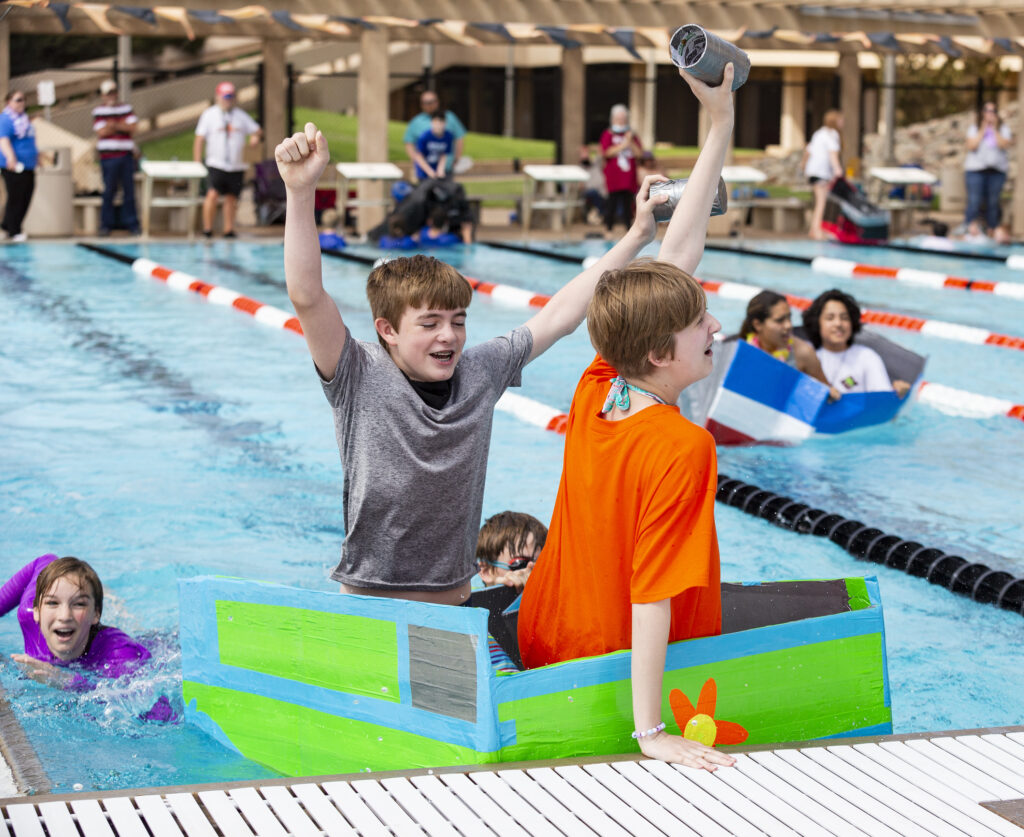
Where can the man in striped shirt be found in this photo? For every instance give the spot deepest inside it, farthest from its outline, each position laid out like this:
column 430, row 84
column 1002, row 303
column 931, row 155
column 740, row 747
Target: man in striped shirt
column 113, row 123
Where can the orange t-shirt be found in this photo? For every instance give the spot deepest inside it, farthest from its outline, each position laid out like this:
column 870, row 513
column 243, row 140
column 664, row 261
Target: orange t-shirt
column 633, row 523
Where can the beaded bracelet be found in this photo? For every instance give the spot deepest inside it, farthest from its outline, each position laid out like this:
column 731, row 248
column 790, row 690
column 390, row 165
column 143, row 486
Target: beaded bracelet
column 652, row 731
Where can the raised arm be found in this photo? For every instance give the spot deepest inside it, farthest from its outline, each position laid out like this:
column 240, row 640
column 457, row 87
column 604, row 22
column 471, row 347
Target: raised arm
column 683, row 244
column 568, row 307
column 301, row 159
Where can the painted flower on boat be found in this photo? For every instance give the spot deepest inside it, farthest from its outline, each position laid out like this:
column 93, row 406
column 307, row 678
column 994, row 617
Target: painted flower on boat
column 699, row 723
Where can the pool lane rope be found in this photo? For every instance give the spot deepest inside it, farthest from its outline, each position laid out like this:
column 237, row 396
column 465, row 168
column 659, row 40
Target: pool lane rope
column 972, row 579
column 978, row 581
column 946, row 399
column 217, row 294
column 855, row 270
column 743, row 293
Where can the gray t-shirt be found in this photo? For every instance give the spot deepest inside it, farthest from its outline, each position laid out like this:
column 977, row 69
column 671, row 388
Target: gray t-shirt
column 414, row 475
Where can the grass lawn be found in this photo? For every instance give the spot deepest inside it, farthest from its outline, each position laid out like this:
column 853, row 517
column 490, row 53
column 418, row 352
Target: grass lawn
column 341, row 131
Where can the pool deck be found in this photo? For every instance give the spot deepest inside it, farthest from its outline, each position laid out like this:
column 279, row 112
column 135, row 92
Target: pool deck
column 964, row 782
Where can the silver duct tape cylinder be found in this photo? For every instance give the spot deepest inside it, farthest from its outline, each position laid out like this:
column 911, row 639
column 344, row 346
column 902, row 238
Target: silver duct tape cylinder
column 704, row 56
column 674, row 190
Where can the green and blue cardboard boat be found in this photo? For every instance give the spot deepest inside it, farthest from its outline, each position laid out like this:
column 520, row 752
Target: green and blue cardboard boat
column 316, row 683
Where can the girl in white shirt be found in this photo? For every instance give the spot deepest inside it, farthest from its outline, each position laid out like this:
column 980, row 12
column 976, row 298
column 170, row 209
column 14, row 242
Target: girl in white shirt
column 821, row 165
column 831, row 323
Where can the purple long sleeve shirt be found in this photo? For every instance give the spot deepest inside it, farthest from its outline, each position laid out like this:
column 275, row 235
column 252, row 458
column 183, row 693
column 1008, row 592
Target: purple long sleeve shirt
column 110, row 652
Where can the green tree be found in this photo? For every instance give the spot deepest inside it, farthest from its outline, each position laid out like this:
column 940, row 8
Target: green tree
column 926, row 92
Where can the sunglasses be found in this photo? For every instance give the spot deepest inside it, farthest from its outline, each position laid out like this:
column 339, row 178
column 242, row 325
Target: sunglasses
column 518, row 562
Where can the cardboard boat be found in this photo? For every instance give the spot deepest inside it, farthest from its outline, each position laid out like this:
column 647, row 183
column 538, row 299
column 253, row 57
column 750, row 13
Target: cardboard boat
column 315, row 683
column 852, row 218
column 751, row 397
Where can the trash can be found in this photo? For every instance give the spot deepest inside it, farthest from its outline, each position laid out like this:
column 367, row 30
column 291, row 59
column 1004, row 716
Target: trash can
column 51, row 212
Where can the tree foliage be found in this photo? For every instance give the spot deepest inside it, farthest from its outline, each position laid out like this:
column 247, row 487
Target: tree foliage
column 925, row 91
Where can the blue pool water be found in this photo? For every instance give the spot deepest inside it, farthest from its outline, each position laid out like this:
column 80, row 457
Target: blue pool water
column 160, row 437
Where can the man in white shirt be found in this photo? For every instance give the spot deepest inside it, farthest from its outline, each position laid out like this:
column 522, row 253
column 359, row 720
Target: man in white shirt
column 223, row 129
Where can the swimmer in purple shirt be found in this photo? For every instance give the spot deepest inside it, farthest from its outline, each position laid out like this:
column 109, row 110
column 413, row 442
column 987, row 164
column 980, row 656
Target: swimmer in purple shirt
column 59, row 603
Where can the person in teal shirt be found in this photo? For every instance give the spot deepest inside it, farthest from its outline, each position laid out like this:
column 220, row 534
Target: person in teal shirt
column 420, row 124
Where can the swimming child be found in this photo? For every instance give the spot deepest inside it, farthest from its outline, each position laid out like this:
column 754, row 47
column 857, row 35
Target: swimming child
column 507, row 548
column 631, row 560
column 768, row 325
column 60, row 601
column 413, row 411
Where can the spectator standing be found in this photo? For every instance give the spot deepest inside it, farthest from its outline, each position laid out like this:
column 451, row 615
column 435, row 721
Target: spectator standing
column 18, row 146
column 620, row 148
column 986, row 166
column 821, row 165
column 420, row 125
column 223, row 128
column 113, row 123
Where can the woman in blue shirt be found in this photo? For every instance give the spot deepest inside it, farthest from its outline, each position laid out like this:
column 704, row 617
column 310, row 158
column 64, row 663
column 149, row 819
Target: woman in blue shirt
column 18, row 148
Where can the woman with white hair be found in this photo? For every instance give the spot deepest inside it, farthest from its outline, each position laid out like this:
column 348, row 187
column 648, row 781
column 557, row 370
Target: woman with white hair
column 620, row 148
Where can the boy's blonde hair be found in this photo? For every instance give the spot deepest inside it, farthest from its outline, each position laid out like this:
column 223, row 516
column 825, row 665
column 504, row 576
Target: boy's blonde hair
column 637, row 310
column 511, row 529
column 412, row 282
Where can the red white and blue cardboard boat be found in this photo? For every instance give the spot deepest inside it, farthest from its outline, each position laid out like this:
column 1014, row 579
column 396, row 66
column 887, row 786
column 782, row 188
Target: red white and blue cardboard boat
column 751, row 397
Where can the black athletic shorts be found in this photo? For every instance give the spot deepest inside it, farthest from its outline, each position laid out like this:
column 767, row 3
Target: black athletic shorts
column 224, row 182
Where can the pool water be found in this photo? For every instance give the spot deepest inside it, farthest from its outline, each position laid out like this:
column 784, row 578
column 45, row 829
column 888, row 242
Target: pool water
column 160, row 437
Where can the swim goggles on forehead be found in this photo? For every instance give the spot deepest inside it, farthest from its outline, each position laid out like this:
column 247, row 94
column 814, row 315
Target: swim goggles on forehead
column 518, row 562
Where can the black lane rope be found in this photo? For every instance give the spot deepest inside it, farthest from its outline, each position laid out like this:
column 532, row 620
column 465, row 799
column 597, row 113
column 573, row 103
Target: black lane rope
column 972, row 579
column 955, row 254
column 110, row 254
column 533, row 251
column 348, row 257
column 767, row 254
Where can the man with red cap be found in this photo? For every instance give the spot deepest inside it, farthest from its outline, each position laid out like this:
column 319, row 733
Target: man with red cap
column 223, row 129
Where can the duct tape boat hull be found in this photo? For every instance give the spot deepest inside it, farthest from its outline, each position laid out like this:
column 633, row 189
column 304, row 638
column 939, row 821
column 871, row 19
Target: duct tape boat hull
column 314, row 683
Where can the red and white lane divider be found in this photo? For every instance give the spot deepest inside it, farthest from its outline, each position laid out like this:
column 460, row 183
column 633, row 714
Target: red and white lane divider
column 266, row 314
column 958, row 402
column 948, row 400
column 924, row 278
column 736, row 290
column 933, row 328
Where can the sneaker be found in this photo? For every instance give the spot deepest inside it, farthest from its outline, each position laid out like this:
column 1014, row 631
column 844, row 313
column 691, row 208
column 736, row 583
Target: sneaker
column 207, row 233
column 19, row 238
column 230, row 234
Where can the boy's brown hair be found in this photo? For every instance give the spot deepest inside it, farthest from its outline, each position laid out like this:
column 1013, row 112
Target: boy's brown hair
column 69, row 565
column 509, row 529
column 638, row 310
column 412, row 282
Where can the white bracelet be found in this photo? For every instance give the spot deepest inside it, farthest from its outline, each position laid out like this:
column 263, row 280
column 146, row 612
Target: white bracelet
column 652, row 731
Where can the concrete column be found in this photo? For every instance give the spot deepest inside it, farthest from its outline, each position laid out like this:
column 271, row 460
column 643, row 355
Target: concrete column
column 372, row 108
column 871, row 110
column 275, row 95
column 573, row 98
column 650, row 128
column 124, row 61
column 792, row 130
column 888, row 126
column 1018, row 192
column 508, row 124
column 849, row 104
column 5, row 56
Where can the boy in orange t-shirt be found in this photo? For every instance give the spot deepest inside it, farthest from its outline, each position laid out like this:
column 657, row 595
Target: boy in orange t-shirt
column 631, row 559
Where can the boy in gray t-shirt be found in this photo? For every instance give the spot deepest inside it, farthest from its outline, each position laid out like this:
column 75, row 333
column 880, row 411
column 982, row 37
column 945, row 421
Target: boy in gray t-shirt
column 413, row 414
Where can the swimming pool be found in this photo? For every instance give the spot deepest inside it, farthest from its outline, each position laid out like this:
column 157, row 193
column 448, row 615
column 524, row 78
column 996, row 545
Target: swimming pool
column 160, row 437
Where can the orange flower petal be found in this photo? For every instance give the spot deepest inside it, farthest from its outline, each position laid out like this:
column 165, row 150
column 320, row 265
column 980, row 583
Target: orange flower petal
column 708, row 698
column 730, row 733
column 682, row 709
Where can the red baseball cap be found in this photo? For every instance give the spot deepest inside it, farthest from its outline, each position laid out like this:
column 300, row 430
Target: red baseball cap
column 225, row 89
